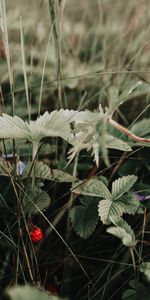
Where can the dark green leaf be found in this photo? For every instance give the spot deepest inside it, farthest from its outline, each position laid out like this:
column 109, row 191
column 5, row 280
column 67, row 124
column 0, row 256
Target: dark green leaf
column 35, row 200
column 84, row 217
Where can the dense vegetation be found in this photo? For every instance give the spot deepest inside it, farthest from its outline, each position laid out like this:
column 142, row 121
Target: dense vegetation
column 74, row 149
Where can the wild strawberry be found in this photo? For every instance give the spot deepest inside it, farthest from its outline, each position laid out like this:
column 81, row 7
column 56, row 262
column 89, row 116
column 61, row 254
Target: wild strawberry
column 36, row 235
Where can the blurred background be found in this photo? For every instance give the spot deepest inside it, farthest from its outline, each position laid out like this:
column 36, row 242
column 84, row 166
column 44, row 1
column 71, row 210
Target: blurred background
column 104, row 50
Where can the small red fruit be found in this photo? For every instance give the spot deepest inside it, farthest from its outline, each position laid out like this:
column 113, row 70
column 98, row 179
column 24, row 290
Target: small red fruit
column 36, row 235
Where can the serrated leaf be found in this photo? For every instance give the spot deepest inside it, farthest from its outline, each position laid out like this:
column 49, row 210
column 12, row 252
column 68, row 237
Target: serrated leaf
column 115, row 143
column 109, row 210
column 56, row 123
column 124, row 232
column 84, row 217
column 122, row 185
column 13, row 127
column 42, row 171
column 61, row 176
column 33, row 198
column 132, row 205
column 27, row 292
column 92, row 187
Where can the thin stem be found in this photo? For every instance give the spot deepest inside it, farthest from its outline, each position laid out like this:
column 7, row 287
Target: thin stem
column 55, row 15
column 133, row 258
column 44, row 66
column 34, row 154
column 127, row 132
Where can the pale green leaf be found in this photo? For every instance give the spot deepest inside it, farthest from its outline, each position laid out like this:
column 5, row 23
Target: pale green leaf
column 92, row 187
column 132, row 205
column 27, row 292
column 41, row 170
column 115, row 143
column 56, row 123
column 124, row 232
column 109, row 210
column 122, row 185
column 145, row 268
column 13, row 127
column 141, row 128
column 84, row 217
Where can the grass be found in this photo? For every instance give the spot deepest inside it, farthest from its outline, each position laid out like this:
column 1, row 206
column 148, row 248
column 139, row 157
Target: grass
column 89, row 53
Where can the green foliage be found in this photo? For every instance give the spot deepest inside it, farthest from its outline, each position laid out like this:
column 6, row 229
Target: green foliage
column 84, row 217
column 141, row 128
column 145, row 268
column 109, row 210
column 5, row 168
column 114, row 206
column 42, row 171
column 116, row 143
column 35, row 200
column 137, row 291
column 122, row 185
column 91, row 133
column 132, row 205
column 123, row 231
column 79, row 66
column 92, row 187
column 57, row 123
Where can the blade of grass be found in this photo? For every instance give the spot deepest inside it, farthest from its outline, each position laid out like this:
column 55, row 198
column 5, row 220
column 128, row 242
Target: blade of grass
column 55, row 15
column 24, row 69
column 7, row 49
column 43, row 71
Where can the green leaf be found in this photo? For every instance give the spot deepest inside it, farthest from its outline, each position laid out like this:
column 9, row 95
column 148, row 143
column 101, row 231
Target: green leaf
column 42, row 171
column 132, row 205
column 56, row 123
column 115, row 143
column 35, row 199
column 145, row 268
column 141, row 128
column 129, row 294
column 13, row 127
column 136, row 292
column 92, row 187
column 109, row 210
column 122, row 185
column 124, row 232
column 27, row 292
column 84, row 217
column 5, row 167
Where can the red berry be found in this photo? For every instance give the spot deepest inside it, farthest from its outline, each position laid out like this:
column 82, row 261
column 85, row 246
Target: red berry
column 36, row 235
column 52, row 289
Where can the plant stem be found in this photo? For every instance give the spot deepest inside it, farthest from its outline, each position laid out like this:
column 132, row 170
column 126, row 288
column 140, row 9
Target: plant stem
column 127, row 132
column 34, row 154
